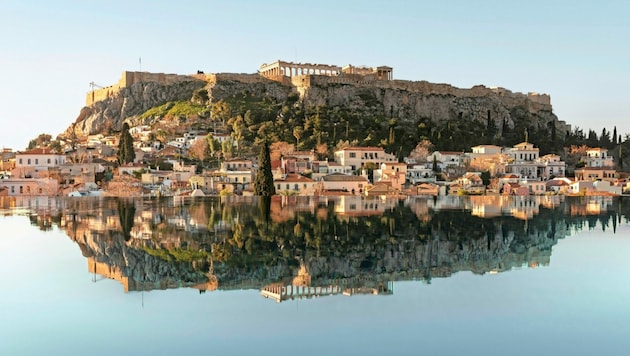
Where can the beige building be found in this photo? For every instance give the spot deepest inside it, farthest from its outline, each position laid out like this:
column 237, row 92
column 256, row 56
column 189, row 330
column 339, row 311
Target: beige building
column 295, row 184
column 595, row 173
column 38, row 160
column 394, row 173
column 344, row 183
column 30, row 186
column 357, row 157
column 550, row 166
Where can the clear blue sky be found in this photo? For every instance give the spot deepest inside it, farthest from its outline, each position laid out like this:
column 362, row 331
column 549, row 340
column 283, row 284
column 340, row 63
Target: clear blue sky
column 576, row 51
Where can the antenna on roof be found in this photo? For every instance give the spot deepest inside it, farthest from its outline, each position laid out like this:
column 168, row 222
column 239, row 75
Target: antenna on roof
column 140, row 63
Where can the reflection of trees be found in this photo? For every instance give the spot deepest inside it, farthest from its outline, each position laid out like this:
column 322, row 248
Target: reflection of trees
column 126, row 214
column 252, row 242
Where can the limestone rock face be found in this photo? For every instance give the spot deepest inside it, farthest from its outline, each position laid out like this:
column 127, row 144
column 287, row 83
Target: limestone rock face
column 128, row 102
column 406, row 101
column 410, row 101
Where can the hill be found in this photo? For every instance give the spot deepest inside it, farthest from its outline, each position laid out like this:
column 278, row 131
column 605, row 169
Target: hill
column 313, row 109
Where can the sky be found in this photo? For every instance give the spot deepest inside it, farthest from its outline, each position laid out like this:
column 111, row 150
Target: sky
column 575, row 51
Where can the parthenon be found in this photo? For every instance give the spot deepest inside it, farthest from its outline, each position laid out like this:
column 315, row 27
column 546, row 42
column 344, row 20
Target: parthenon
column 289, row 69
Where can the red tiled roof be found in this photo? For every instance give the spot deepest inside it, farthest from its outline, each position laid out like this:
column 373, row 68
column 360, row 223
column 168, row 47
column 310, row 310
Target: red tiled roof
column 362, row 149
column 339, row 177
column 38, row 151
column 292, row 178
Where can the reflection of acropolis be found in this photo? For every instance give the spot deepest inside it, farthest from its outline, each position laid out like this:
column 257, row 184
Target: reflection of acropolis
column 300, row 287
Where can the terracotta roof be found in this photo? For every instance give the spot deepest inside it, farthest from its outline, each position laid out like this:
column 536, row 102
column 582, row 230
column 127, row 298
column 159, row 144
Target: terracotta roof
column 39, row 151
column 594, row 169
column 556, row 183
column 361, row 149
column 452, row 153
column 293, row 178
column 339, row 177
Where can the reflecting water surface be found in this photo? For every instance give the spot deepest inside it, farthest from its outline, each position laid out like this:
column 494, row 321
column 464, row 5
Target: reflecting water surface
column 347, row 274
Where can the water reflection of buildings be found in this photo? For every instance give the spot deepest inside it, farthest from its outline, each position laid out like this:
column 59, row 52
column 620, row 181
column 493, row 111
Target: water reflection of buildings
column 359, row 205
column 486, row 206
column 592, row 205
column 300, row 287
column 141, row 243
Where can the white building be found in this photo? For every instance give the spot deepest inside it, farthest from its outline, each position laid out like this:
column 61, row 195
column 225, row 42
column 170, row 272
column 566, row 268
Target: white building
column 39, row 158
column 598, row 157
column 523, row 160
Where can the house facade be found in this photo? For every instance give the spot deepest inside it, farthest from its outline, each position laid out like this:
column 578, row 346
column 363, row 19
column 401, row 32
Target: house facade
column 344, row 183
column 38, row 159
column 295, row 184
column 357, row 157
column 595, row 173
column 598, row 157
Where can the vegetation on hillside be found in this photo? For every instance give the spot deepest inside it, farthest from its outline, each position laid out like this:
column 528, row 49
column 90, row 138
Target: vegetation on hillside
column 176, row 109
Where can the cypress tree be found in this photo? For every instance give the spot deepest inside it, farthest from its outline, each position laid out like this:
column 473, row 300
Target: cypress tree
column 125, row 146
column 263, row 183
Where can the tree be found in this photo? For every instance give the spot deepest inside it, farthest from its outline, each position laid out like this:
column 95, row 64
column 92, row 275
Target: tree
column 322, row 150
column 604, row 139
column 436, row 168
column 199, row 150
column 126, row 153
column 220, row 111
column 421, row 151
column 214, row 146
column 491, row 127
column 43, row 140
column 279, row 149
column 485, row 177
column 263, row 183
column 238, row 129
column 297, row 133
column 227, row 147
column 200, row 96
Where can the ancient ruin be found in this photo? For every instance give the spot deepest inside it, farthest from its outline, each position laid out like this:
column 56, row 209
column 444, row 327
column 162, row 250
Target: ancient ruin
column 279, row 69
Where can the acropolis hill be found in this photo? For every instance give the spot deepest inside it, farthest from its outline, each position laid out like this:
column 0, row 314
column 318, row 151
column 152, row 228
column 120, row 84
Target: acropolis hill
column 370, row 91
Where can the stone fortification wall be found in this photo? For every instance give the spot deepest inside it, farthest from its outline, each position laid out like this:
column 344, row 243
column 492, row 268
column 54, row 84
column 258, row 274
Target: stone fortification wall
column 237, row 77
column 532, row 101
column 128, row 79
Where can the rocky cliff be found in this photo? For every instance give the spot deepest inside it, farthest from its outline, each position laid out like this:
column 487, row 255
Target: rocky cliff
column 406, row 101
column 129, row 102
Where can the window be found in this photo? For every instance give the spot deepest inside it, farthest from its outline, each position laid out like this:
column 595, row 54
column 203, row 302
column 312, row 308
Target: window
column 36, row 160
column 287, row 186
column 296, row 187
column 20, row 161
column 353, row 155
column 28, row 161
column 48, row 161
column 279, row 187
